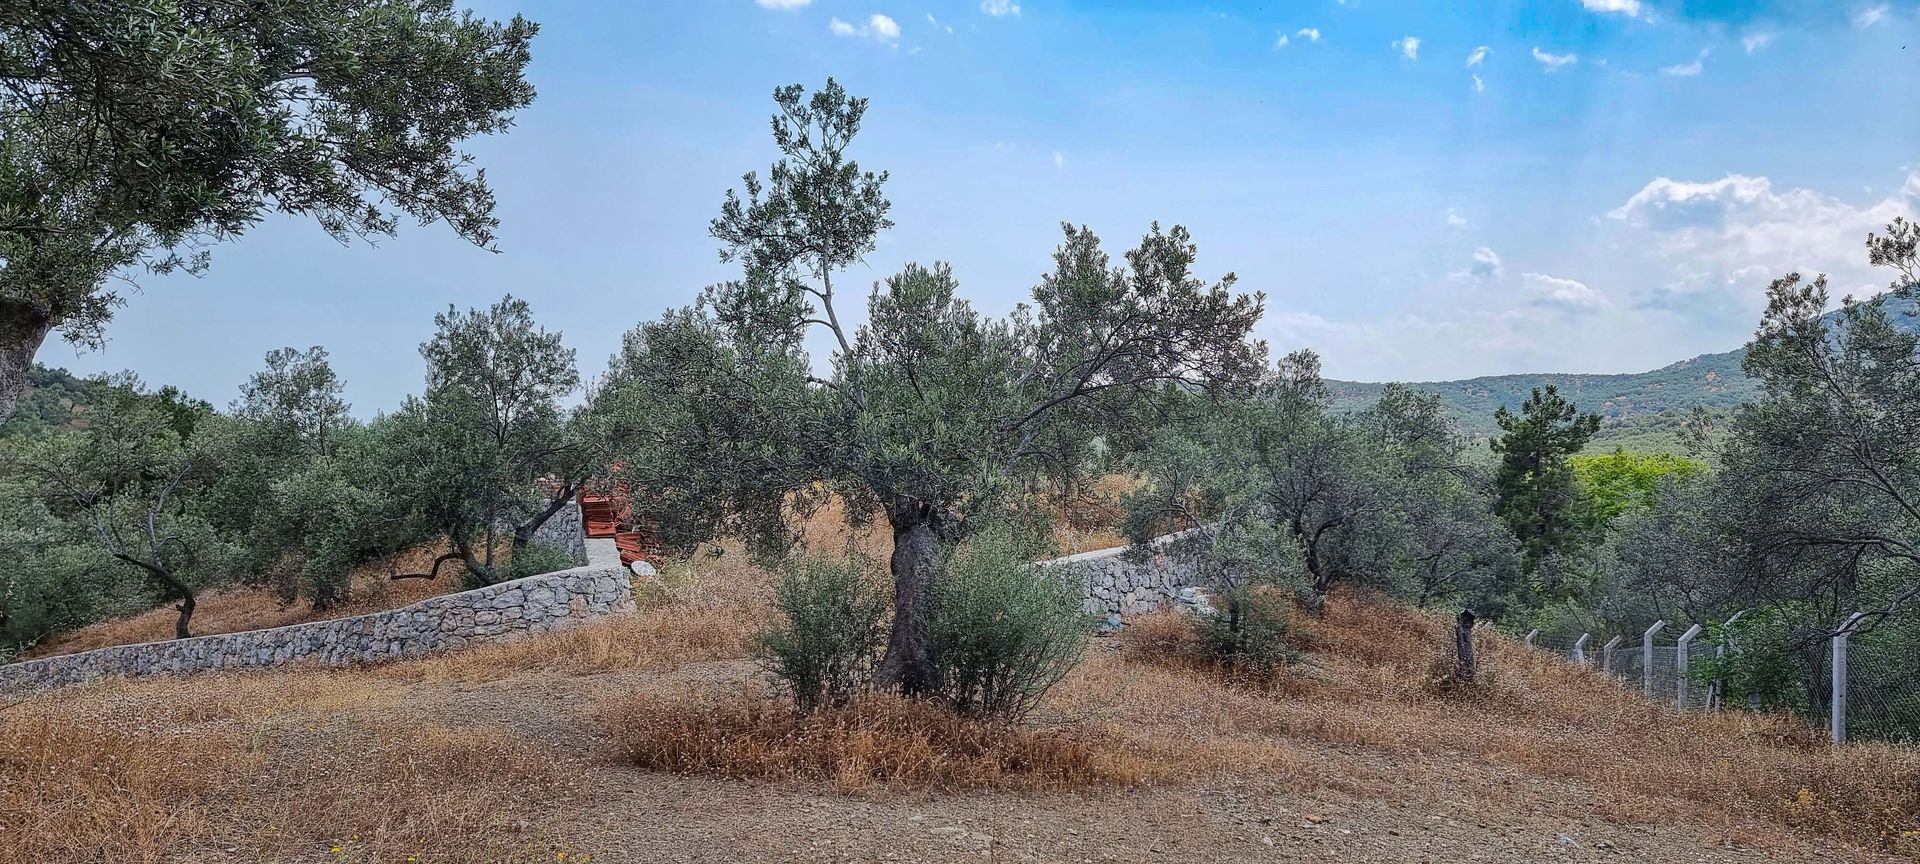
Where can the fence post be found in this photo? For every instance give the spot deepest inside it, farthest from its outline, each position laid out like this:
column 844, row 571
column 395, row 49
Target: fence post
column 1683, row 684
column 1464, row 666
column 1837, row 722
column 1717, row 697
column 1580, row 649
column 1606, row 653
column 1530, row 634
column 1646, row 658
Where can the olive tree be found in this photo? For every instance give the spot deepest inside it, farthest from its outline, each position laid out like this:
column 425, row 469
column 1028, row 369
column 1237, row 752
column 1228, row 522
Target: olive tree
column 1827, row 461
column 1278, row 489
column 928, row 412
column 137, row 134
column 489, row 451
column 131, row 480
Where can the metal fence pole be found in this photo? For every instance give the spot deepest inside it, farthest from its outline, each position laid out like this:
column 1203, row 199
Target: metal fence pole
column 1717, row 697
column 1606, row 653
column 1837, row 721
column 1681, row 682
column 1646, row 658
column 1580, row 649
column 1530, row 634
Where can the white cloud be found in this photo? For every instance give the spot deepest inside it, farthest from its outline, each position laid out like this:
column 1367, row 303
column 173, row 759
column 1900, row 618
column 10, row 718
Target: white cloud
column 936, row 23
column 1409, row 45
column 1554, row 62
column 1457, row 221
column 1736, row 232
column 1478, row 55
column 783, row 5
column 1629, row 8
column 1059, row 159
column 1562, row 292
column 1478, row 85
column 999, row 8
column 1688, row 70
column 1486, row 264
column 1756, row 41
column 879, row 28
column 1282, row 40
column 1868, row 16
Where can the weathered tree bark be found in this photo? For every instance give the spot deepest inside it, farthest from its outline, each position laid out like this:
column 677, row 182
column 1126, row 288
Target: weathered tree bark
column 523, row 534
column 180, row 589
column 1465, row 668
column 481, row 570
column 186, row 615
column 23, row 329
column 908, row 663
column 393, row 574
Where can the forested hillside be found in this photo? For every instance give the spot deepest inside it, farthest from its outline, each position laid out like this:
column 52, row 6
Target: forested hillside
column 1640, row 411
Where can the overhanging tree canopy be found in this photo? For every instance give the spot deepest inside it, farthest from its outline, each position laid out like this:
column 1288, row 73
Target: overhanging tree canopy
column 136, row 133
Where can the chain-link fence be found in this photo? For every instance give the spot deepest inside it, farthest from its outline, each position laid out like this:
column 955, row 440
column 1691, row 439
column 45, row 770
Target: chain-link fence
column 1882, row 686
column 1866, row 686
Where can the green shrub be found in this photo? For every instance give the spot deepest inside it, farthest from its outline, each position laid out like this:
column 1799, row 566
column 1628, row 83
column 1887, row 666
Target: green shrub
column 1248, row 637
column 1003, row 630
column 534, row 559
column 829, row 634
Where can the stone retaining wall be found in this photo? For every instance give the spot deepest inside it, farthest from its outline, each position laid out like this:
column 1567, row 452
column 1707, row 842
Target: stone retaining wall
column 564, row 531
column 1128, row 581
column 536, row 604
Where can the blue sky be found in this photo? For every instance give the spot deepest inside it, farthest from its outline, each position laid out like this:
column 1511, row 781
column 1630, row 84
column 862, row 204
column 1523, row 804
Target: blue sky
column 1608, row 187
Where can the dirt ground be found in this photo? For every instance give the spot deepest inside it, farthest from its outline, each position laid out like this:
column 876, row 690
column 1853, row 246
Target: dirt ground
column 627, row 815
column 508, row 753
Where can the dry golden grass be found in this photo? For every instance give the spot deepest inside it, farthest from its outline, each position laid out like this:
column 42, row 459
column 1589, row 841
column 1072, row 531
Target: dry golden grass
column 650, row 640
column 1370, row 684
column 298, row 765
column 879, row 740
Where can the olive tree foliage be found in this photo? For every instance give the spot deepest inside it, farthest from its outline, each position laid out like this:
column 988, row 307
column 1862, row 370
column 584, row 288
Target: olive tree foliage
column 926, row 412
column 137, row 134
column 1827, row 462
column 1811, row 513
column 489, row 453
column 296, row 400
column 1003, row 631
column 132, row 480
column 1278, row 490
column 829, row 633
column 52, row 576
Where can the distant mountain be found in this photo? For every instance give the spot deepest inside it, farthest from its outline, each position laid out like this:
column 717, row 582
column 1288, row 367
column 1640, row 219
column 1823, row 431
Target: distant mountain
column 1639, row 411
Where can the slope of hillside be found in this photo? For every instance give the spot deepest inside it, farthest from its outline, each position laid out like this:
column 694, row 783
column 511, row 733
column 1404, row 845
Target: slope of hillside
column 512, row 752
column 1641, row 408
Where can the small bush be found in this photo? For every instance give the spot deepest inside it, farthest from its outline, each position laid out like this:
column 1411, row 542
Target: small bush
column 534, row 559
column 878, row 739
column 829, row 634
column 1248, row 637
column 1003, row 630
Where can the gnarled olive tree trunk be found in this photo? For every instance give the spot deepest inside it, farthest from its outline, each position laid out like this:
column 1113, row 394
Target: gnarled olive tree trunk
column 908, row 664
column 23, row 328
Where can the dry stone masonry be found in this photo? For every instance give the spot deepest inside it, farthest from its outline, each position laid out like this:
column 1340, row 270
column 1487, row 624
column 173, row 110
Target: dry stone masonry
column 1130, row 581
column 564, row 531
column 536, row 604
